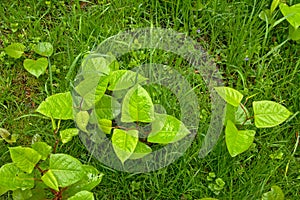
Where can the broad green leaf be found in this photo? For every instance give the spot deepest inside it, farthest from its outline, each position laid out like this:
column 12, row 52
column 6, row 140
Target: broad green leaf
column 13, row 178
column 21, row 194
column 275, row 194
column 137, row 106
column 167, row 129
column 43, row 49
column 5, row 135
column 50, row 180
column 66, row 169
column 269, row 114
column 67, row 134
column 82, row 120
column 36, row 67
column 140, row 151
column 25, row 158
column 105, row 125
column 57, row 106
column 265, row 15
column 92, row 89
column 124, row 143
column 123, row 79
column 15, row 50
column 230, row 95
column 95, row 64
column 86, row 195
column 294, row 34
column 42, row 148
column 107, row 107
column 92, row 177
column 274, row 5
column 237, row 141
column 291, row 13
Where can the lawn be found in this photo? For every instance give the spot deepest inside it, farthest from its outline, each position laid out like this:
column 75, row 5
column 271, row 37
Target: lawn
column 247, row 53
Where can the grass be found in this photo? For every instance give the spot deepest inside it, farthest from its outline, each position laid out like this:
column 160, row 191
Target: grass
column 230, row 31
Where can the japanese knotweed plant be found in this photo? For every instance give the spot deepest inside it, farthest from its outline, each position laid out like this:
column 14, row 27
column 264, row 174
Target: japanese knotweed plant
column 266, row 114
column 117, row 102
column 38, row 172
column 35, row 67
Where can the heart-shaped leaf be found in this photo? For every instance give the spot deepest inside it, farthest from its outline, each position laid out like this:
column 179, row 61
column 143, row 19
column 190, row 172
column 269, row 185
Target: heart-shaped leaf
column 292, row 14
column 105, row 125
column 137, row 106
column 167, row 129
column 294, row 34
column 57, row 106
column 43, row 49
column 275, row 194
column 269, row 114
column 230, row 95
column 124, row 143
column 237, row 141
column 15, row 50
column 36, row 67
column 265, row 15
column 25, row 158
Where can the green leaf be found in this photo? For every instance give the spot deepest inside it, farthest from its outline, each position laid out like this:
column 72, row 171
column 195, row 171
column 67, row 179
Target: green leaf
column 107, row 108
column 230, row 113
column 167, row 129
column 95, row 64
column 208, row 198
column 15, row 50
column 5, row 135
column 43, row 149
column 230, row 95
column 274, row 5
column 3, row 190
column 265, row 15
column 91, row 90
column 294, row 34
column 43, row 49
column 57, row 106
column 66, row 169
column 124, row 143
column 25, row 158
column 291, row 13
column 50, row 180
column 237, row 141
column 140, row 151
column 67, row 134
column 137, row 106
column 38, row 192
column 269, row 114
column 105, row 125
column 92, row 177
column 82, row 120
column 275, row 194
column 36, row 67
column 21, row 194
column 86, row 195
column 13, row 178
column 123, row 79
